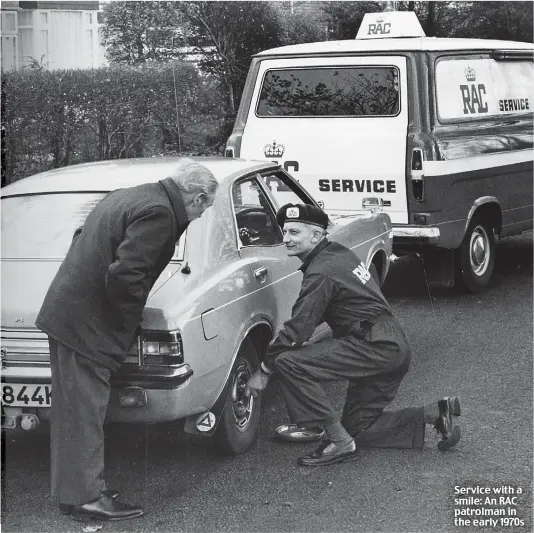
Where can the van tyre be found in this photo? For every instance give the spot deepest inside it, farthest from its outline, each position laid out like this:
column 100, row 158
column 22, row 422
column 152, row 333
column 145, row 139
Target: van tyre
column 240, row 421
column 475, row 259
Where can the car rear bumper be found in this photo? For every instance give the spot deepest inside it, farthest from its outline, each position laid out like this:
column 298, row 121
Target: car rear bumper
column 138, row 394
column 410, row 236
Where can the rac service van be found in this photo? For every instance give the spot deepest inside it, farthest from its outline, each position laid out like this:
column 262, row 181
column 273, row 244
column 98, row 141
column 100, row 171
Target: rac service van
column 437, row 132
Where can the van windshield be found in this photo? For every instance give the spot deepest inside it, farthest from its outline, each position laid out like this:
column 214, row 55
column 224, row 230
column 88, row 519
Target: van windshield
column 41, row 226
column 330, row 91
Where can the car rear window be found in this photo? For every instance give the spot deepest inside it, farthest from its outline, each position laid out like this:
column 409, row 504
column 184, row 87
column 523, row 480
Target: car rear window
column 41, row 226
column 330, row 91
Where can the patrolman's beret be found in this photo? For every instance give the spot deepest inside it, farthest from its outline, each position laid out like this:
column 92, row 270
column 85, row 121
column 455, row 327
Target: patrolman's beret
column 308, row 214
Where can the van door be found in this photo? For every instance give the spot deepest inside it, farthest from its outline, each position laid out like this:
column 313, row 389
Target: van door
column 338, row 125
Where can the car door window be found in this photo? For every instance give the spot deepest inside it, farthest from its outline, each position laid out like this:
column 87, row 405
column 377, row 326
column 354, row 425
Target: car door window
column 255, row 218
column 282, row 190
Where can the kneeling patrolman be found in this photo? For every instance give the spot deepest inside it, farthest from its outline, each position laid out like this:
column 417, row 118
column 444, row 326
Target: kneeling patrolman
column 368, row 348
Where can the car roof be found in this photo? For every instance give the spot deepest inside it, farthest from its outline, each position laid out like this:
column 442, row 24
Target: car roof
column 393, row 45
column 104, row 176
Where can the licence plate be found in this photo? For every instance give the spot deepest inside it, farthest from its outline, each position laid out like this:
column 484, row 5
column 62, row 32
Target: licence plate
column 20, row 395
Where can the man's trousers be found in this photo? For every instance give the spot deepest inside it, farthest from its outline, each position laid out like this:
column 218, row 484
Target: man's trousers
column 375, row 365
column 80, row 395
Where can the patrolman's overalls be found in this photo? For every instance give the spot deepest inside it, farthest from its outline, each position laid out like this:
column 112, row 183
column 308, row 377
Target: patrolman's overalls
column 368, row 348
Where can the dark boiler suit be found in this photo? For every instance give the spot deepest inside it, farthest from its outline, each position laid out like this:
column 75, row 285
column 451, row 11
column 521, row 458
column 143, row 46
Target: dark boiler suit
column 368, row 348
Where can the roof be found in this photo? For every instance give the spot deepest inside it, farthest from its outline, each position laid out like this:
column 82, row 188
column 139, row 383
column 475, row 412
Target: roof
column 393, row 45
column 106, row 176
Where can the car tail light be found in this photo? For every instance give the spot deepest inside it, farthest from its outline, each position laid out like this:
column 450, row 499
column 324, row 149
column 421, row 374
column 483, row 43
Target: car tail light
column 160, row 348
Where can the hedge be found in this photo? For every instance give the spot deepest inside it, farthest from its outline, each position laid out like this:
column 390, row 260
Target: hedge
column 52, row 119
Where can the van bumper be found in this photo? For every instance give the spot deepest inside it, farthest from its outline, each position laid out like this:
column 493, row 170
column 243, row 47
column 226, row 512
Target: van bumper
column 410, row 236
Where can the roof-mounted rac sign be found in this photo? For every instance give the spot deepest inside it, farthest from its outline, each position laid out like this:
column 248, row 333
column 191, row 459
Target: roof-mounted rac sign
column 390, row 24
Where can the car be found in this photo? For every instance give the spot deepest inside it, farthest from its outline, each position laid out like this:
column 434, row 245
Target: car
column 211, row 314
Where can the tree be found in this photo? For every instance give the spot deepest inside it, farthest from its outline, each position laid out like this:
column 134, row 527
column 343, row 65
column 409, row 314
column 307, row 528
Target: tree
column 137, row 32
column 298, row 25
column 484, row 20
column 344, row 18
column 226, row 35
column 490, row 20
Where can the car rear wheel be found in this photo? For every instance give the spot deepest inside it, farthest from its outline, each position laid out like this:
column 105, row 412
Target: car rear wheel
column 475, row 259
column 240, row 421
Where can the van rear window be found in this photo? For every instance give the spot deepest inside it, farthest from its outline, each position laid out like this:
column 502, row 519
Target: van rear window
column 330, row 92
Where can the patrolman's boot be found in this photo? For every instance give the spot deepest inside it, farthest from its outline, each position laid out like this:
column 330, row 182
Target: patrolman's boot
column 446, row 425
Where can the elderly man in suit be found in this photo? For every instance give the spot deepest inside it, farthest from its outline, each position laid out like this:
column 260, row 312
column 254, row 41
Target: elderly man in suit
column 90, row 314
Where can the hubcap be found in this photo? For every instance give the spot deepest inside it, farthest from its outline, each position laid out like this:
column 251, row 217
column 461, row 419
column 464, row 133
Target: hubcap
column 241, row 405
column 479, row 251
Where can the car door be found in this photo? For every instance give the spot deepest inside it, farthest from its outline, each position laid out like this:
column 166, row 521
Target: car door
column 275, row 278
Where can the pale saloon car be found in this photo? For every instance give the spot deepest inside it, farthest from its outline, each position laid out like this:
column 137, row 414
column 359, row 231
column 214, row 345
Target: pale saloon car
column 210, row 315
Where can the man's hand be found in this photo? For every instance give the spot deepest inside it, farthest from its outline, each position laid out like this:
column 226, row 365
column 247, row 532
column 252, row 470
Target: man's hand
column 256, row 383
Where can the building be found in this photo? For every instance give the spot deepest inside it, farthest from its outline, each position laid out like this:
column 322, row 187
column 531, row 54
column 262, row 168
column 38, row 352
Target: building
column 51, row 35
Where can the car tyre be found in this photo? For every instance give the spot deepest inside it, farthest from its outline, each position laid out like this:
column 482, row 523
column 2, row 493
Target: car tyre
column 475, row 258
column 240, row 421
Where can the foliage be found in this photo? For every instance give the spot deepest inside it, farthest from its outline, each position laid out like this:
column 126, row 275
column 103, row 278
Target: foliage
column 511, row 21
column 226, row 35
column 137, row 32
column 296, row 27
column 483, row 20
column 344, row 18
column 53, row 119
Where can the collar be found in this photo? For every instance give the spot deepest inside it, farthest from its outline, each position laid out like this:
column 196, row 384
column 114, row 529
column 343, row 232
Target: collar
column 313, row 253
column 177, row 202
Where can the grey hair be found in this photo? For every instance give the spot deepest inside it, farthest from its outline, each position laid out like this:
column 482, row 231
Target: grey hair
column 192, row 177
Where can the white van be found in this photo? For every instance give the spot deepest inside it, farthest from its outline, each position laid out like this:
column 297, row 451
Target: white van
column 436, row 131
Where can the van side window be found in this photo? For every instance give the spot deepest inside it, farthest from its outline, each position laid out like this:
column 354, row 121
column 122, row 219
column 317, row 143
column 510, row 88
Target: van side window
column 330, row 91
column 255, row 218
column 478, row 88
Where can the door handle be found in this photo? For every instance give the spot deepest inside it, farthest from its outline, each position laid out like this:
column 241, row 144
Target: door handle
column 261, row 274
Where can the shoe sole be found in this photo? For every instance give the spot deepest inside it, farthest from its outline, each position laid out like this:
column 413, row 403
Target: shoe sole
column 337, row 460
column 451, row 440
column 89, row 518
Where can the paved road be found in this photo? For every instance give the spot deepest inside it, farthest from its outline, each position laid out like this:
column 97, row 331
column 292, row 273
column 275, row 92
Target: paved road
column 476, row 346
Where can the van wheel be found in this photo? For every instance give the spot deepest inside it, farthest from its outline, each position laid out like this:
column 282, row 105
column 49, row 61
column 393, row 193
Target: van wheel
column 475, row 259
column 240, row 420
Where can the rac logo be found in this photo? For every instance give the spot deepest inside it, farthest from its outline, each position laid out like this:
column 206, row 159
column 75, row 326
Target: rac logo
column 362, row 273
column 379, row 29
column 473, row 98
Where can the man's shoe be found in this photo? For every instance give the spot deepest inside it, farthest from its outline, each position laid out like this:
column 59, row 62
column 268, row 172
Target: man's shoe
column 329, row 453
column 445, row 424
column 104, row 508
column 65, row 508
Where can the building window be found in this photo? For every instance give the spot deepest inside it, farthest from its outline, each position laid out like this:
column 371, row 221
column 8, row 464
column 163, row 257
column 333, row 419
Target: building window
column 26, row 46
column 44, row 47
column 89, row 18
column 44, row 18
column 9, row 22
column 25, row 18
column 9, row 52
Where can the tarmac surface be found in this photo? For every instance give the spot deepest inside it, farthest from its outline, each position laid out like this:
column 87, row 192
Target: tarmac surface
column 478, row 347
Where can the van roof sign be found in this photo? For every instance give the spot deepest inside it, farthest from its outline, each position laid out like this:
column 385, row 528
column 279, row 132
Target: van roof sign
column 390, row 24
